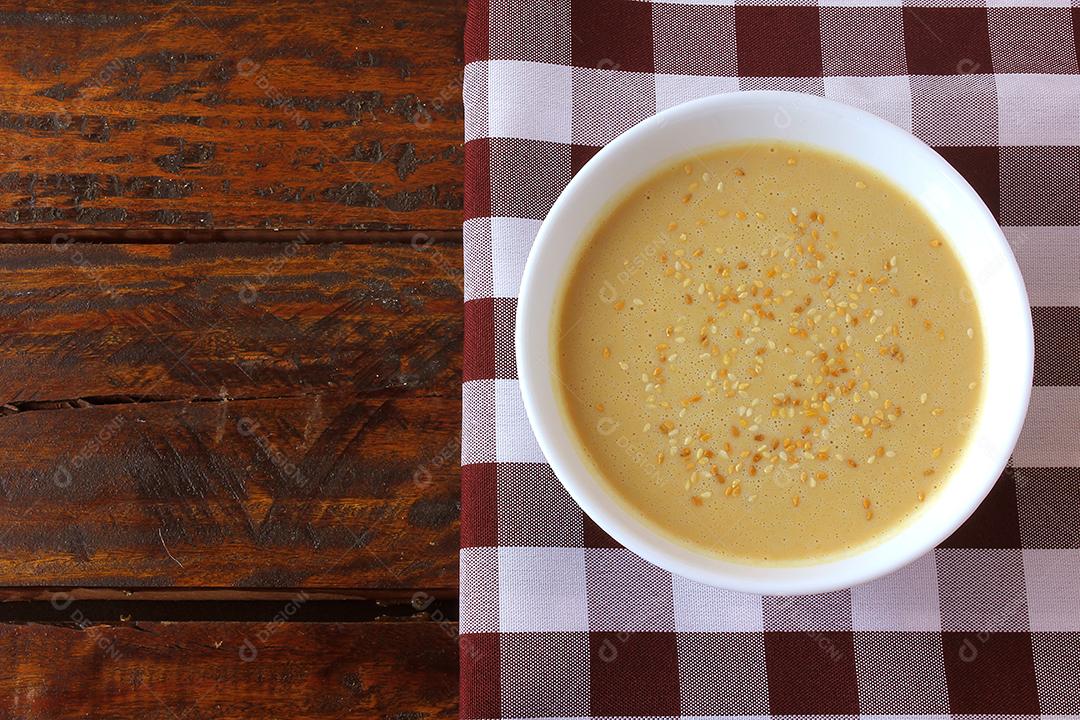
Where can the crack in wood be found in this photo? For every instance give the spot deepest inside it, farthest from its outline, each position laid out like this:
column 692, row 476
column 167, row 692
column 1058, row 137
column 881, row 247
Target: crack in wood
column 100, row 401
column 128, row 613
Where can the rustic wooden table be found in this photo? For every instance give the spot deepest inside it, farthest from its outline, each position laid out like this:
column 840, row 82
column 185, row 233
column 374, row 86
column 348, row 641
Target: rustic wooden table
column 230, row 355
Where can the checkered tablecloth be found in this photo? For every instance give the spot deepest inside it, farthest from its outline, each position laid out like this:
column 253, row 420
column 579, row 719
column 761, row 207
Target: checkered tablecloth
column 558, row 620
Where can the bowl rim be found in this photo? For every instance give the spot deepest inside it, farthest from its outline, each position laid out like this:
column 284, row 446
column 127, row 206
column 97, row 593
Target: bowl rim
column 538, row 391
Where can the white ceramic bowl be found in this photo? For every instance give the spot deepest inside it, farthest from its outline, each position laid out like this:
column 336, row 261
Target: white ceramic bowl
column 966, row 223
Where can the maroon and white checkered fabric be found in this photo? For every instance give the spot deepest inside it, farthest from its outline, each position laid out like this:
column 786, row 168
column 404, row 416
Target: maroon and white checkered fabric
column 557, row 619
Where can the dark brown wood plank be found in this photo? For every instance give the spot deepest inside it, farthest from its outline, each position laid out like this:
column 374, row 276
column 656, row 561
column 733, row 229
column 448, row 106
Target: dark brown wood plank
column 219, row 320
column 175, row 115
column 161, row 431
column 196, row 670
column 327, row 490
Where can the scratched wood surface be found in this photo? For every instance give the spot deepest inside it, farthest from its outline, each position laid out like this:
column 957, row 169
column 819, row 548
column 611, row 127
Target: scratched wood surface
column 227, row 670
column 230, row 415
column 230, row 356
column 163, row 114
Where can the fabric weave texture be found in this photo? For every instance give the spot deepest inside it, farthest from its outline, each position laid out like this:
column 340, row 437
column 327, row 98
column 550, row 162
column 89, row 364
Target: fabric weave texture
column 558, row 620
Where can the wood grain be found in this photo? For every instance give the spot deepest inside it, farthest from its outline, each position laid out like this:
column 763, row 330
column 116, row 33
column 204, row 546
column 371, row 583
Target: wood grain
column 164, row 429
column 205, row 115
column 225, row 671
column 266, row 415
column 220, row 321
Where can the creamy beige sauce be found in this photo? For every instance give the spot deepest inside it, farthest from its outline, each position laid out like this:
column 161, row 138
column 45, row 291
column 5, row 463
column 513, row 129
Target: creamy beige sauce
column 770, row 353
